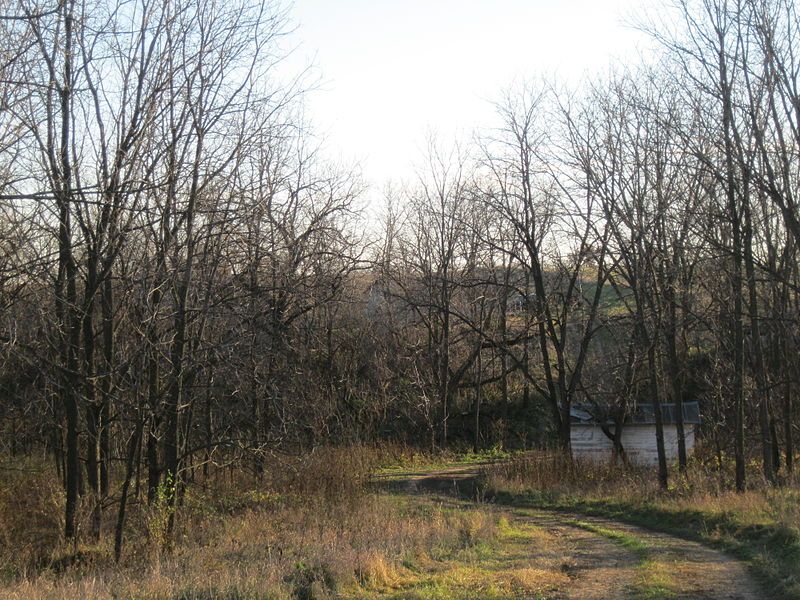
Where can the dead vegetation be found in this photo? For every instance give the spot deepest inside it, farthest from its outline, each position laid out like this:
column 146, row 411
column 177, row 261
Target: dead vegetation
column 314, row 531
column 704, row 487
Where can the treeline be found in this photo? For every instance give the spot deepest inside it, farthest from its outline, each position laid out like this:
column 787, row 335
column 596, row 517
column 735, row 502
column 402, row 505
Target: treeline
column 186, row 283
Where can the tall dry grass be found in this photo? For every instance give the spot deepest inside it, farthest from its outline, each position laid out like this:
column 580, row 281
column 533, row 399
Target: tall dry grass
column 707, row 487
column 310, row 529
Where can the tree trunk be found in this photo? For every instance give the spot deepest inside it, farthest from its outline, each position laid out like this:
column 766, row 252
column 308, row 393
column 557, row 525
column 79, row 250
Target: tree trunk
column 106, row 383
column 760, row 368
column 476, row 441
column 787, row 425
column 66, row 285
column 93, row 425
column 133, row 451
column 674, row 374
column 153, row 467
column 663, row 475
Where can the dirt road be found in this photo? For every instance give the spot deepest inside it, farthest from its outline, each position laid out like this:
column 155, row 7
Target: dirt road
column 577, row 557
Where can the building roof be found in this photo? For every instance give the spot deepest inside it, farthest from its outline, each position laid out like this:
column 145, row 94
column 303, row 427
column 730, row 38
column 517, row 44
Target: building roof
column 641, row 414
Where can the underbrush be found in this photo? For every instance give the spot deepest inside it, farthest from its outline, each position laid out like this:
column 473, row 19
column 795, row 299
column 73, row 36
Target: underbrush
column 31, row 517
column 761, row 526
column 309, row 528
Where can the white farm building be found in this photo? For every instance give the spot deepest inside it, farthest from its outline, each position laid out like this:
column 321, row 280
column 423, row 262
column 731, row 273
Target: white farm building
column 589, row 442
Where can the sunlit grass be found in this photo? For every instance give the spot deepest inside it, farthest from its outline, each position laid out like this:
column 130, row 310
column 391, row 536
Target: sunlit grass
column 403, row 461
column 497, row 567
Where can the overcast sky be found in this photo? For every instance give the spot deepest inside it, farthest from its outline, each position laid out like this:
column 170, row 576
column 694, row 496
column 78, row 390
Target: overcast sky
column 392, row 70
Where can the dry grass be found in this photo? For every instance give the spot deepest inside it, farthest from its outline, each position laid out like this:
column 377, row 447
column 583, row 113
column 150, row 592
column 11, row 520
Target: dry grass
column 702, row 489
column 501, row 557
column 310, row 529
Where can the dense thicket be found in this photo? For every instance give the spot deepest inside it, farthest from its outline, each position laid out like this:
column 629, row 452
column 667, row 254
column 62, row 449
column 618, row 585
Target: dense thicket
column 185, row 283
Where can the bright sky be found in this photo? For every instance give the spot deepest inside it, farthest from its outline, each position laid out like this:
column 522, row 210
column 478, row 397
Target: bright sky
column 393, row 70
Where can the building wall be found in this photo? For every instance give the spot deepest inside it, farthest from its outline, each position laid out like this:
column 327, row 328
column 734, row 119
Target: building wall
column 590, row 443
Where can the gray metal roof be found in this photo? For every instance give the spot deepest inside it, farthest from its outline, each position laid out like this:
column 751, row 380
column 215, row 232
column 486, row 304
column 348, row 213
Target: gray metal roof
column 641, row 414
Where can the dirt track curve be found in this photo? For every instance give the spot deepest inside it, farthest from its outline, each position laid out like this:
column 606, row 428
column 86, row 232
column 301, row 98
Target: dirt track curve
column 594, row 554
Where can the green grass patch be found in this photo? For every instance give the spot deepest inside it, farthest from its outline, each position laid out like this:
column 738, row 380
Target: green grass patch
column 655, row 582
column 621, row 538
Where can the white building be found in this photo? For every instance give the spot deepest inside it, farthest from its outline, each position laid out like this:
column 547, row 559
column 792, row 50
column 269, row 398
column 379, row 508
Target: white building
column 589, row 442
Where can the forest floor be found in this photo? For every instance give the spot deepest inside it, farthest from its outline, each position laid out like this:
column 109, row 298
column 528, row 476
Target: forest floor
column 560, row 555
